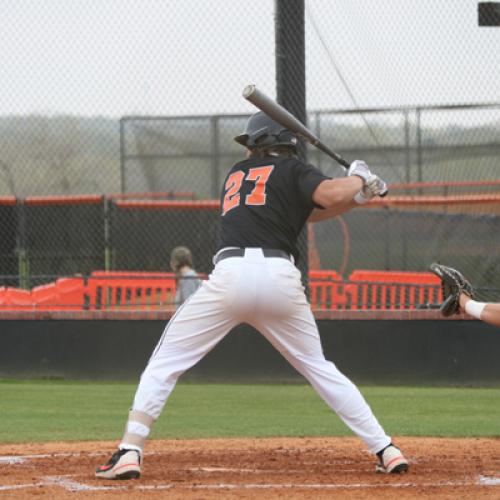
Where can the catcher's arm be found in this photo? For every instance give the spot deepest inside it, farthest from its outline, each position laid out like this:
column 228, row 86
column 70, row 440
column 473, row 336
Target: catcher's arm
column 453, row 285
column 458, row 296
column 487, row 312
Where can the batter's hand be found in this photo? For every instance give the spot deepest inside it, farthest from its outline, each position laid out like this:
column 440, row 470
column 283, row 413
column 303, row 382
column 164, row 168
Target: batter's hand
column 374, row 186
column 361, row 169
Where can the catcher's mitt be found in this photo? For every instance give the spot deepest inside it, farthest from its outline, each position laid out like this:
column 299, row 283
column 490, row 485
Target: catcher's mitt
column 453, row 284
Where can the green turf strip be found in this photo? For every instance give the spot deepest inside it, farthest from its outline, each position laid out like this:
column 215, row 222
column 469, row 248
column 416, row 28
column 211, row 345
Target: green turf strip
column 70, row 410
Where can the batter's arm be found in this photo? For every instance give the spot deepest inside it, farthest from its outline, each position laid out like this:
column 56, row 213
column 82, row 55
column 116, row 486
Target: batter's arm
column 336, row 196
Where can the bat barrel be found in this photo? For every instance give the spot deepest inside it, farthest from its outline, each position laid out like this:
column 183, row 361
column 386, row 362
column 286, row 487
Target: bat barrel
column 248, row 91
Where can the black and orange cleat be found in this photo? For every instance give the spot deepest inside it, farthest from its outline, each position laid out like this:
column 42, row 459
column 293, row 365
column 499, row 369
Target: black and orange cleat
column 123, row 464
column 391, row 461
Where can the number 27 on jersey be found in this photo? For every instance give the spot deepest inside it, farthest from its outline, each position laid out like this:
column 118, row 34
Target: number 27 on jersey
column 232, row 197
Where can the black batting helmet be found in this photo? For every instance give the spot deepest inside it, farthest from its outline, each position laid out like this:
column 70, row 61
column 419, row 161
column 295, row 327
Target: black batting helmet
column 263, row 132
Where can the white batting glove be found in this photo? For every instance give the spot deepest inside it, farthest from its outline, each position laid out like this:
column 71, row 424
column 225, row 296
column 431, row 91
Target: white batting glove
column 374, row 186
column 361, row 169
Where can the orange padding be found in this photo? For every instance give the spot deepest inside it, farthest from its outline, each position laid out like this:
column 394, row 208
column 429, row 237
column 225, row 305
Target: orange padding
column 102, row 290
column 443, row 184
column 170, row 204
column 8, row 200
column 64, row 200
column 150, row 291
column 65, row 294
column 464, row 199
column 154, row 195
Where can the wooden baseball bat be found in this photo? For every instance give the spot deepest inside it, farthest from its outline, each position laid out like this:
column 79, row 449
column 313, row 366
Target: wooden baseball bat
column 280, row 115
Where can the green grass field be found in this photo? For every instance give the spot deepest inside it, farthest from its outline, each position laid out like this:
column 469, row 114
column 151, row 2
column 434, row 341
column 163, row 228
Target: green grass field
column 69, row 410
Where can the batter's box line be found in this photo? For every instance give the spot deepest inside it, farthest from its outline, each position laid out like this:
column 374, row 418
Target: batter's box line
column 19, row 459
column 71, row 485
column 12, row 487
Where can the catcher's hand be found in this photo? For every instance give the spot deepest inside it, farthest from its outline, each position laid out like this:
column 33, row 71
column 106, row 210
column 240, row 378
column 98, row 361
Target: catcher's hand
column 453, row 284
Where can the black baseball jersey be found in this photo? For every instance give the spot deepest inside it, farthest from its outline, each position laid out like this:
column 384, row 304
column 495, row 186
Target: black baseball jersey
column 265, row 203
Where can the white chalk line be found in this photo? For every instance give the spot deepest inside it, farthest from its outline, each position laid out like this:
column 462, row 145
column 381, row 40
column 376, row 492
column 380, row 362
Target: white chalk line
column 229, row 469
column 71, row 485
column 20, row 459
column 489, row 481
column 10, row 487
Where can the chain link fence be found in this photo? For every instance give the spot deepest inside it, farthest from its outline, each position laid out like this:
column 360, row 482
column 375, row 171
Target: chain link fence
column 118, row 155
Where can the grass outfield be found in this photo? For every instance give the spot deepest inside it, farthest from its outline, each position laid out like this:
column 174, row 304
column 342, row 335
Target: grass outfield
column 40, row 411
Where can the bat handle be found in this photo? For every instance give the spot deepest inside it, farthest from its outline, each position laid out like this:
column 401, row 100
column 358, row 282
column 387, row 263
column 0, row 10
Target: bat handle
column 331, row 154
column 342, row 161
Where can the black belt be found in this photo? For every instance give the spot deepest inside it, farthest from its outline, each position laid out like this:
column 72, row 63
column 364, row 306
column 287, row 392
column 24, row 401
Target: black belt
column 240, row 252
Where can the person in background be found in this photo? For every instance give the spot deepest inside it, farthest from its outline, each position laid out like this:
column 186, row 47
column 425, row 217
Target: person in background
column 187, row 280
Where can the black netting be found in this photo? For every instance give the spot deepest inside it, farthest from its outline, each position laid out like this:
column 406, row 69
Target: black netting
column 9, row 259
column 63, row 239
column 143, row 239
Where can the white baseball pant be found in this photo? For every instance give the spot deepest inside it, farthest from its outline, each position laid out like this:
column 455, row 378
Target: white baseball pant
column 265, row 292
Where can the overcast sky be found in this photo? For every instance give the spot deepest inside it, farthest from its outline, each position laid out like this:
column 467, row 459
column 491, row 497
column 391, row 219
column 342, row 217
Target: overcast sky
column 116, row 57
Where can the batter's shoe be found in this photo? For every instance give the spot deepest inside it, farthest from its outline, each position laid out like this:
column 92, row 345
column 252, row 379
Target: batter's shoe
column 123, row 464
column 391, row 461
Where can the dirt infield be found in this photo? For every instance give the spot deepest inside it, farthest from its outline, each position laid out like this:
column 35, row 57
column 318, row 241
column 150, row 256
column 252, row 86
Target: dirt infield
column 255, row 468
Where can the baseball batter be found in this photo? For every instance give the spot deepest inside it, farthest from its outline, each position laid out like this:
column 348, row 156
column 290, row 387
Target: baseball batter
column 265, row 202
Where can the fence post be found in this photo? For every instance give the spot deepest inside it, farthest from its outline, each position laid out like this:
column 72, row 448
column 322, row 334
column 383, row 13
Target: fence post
column 215, row 156
column 407, row 146
column 408, row 179
column 317, row 119
column 21, row 247
column 419, row 147
column 107, row 229
column 122, row 156
column 291, row 80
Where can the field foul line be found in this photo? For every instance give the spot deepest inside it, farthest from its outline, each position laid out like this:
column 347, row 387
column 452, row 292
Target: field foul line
column 69, row 484
column 20, row 486
column 20, row 459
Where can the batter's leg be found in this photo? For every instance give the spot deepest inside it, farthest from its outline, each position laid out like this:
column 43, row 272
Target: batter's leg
column 297, row 339
column 197, row 326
